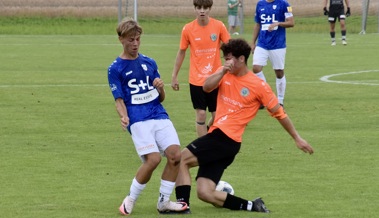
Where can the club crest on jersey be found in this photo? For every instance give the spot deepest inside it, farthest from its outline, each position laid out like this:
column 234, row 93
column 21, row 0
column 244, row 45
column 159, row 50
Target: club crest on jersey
column 244, row 92
column 274, row 7
column 213, row 37
column 144, row 67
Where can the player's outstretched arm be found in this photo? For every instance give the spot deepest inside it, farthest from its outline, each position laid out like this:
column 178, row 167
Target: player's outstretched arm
column 300, row 142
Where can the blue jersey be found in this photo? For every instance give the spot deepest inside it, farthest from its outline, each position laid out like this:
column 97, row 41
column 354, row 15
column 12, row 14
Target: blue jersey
column 132, row 80
column 267, row 13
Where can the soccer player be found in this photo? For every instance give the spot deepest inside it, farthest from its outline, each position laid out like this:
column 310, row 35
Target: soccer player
column 272, row 17
column 233, row 19
column 337, row 11
column 203, row 36
column 240, row 95
column 138, row 91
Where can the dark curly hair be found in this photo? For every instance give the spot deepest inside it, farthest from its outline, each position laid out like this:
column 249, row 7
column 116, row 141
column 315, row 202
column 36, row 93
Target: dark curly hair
column 237, row 47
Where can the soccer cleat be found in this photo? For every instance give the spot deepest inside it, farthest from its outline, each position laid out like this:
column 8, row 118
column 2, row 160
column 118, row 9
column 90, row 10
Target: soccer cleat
column 169, row 207
column 344, row 42
column 127, row 206
column 235, row 33
column 259, row 206
column 333, row 43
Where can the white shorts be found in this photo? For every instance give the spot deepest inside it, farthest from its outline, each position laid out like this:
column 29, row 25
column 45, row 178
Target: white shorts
column 153, row 136
column 277, row 57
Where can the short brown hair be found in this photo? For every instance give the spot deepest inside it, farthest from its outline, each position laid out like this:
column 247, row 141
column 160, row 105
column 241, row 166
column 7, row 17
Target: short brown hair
column 128, row 27
column 204, row 3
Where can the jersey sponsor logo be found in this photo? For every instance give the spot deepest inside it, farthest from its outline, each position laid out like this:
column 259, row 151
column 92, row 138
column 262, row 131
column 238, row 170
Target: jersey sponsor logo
column 213, row 37
column 266, row 26
column 145, row 97
column 268, row 18
column 137, row 86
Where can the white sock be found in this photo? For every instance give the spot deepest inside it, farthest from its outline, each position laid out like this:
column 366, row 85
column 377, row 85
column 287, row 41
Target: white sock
column 281, row 88
column 135, row 189
column 250, row 205
column 166, row 190
column 261, row 75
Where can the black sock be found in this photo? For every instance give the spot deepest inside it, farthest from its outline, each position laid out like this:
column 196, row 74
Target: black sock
column 183, row 193
column 235, row 203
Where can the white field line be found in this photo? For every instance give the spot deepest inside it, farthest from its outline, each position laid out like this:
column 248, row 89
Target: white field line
column 357, row 82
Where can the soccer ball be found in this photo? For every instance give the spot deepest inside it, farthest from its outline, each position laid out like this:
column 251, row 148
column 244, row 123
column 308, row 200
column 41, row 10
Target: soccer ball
column 225, row 187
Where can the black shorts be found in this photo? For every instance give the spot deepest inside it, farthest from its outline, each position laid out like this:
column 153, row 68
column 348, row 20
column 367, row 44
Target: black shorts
column 336, row 13
column 202, row 100
column 215, row 152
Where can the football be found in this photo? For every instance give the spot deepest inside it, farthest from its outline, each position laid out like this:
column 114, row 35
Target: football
column 225, row 187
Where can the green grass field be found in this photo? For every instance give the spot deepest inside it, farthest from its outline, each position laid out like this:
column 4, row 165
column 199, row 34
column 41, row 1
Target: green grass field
column 63, row 153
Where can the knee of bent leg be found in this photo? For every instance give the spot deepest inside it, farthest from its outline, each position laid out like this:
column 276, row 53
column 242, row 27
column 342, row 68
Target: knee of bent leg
column 173, row 154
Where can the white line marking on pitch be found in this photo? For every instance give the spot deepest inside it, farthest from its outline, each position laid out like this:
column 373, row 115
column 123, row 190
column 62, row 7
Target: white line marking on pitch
column 365, row 82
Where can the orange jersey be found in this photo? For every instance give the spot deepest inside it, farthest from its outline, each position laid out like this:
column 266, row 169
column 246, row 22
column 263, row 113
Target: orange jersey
column 238, row 102
column 204, row 43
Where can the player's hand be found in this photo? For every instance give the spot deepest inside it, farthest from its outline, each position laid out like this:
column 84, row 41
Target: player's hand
column 348, row 12
column 326, row 12
column 228, row 65
column 124, row 122
column 175, row 84
column 252, row 48
column 158, row 83
column 304, row 146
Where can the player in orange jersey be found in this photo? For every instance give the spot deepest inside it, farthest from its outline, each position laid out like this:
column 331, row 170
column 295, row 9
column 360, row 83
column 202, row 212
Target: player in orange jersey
column 203, row 36
column 240, row 95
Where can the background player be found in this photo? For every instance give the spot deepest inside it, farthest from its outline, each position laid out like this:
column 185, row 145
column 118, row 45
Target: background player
column 337, row 11
column 203, row 36
column 272, row 17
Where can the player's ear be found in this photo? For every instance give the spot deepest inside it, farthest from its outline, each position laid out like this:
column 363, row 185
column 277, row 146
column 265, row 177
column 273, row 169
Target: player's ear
column 241, row 59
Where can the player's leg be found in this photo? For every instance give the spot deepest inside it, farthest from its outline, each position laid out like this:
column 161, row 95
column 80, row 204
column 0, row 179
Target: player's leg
column 231, row 24
column 168, row 142
column 211, row 99
column 343, row 30
column 277, row 58
column 260, row 58
column 198, row 99
column 150, row 157
column 204, row 148
column 332, row 32
column 183, row 181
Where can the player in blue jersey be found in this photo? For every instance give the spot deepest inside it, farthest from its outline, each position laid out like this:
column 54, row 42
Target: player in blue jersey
column 337, row 11
column 138, row 91
column 272, row 17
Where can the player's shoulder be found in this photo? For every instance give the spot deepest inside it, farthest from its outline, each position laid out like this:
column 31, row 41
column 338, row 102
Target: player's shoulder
column 145, row 58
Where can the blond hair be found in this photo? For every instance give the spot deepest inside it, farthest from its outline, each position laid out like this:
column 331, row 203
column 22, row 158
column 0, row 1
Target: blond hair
column 128, row 27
